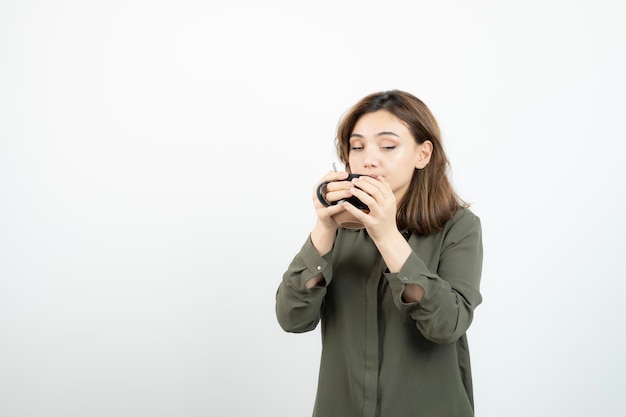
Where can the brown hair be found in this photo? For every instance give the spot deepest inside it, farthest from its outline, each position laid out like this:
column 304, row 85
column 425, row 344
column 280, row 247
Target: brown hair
column 430, row 200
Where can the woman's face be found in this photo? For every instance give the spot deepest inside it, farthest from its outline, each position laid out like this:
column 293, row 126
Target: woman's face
column 381, row 144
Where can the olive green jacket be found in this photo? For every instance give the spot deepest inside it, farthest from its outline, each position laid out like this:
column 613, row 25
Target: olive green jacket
column 381, row 356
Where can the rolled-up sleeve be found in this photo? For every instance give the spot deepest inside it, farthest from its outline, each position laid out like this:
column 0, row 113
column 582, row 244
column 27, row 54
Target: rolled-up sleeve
column 452, row 292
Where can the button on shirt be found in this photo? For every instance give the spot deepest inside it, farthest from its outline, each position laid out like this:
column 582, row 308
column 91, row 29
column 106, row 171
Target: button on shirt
column 382, row 357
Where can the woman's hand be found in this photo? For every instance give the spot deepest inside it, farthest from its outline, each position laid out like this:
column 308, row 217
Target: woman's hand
column 380, row 222
column 325, row 230
column 375, row 192
column 333, row 191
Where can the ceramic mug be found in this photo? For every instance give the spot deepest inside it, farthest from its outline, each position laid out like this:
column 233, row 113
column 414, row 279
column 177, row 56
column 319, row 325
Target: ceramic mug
column 344, row 218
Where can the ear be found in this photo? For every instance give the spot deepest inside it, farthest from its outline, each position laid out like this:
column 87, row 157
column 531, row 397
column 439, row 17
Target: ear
column 424, row 152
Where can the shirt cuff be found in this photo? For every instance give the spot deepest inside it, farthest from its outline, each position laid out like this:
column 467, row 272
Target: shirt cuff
column 414, row 271
column 315, row 263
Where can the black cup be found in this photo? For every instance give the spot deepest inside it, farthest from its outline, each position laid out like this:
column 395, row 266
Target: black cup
column 352, row 200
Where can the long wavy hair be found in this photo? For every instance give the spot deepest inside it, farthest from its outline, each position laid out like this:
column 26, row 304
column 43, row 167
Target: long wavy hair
column 430, row 200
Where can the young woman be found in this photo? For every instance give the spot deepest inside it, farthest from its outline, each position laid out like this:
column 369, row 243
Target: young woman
column 395, row 298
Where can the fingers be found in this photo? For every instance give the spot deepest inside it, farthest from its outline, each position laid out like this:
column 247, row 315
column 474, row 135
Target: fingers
column 370, row 190
column 326, row 191
column 379, row 197
column 332, row 188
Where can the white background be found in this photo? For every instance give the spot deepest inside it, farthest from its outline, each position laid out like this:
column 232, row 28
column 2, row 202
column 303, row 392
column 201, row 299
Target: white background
column 156, row 165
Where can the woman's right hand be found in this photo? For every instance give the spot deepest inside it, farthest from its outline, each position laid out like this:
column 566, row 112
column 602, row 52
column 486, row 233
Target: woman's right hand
column 333, row 191
column 323, row 234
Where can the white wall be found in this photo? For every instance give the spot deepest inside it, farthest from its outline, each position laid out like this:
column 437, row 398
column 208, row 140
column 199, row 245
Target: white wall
column 156, row 163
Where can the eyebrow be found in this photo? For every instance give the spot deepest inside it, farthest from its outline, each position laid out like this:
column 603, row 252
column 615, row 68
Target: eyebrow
column 357, row 135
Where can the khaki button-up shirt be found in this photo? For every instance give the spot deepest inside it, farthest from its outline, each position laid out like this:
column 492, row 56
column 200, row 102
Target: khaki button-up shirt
column 381, row 356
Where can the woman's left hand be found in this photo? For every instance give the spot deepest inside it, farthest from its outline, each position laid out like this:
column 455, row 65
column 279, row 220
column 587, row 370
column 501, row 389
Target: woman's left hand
column 378, row 196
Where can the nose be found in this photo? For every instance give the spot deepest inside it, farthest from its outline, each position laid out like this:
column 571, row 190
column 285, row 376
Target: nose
column 370, row 159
